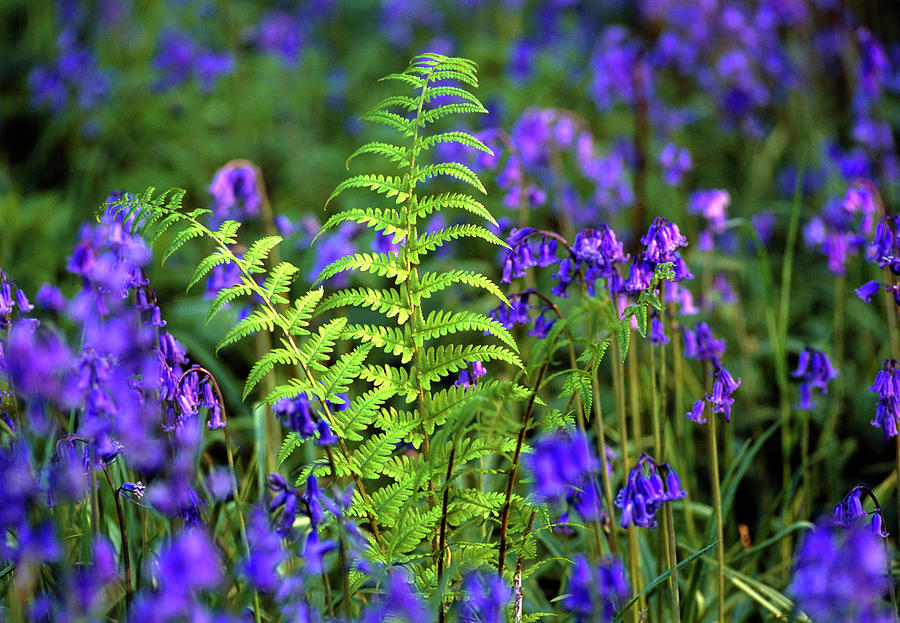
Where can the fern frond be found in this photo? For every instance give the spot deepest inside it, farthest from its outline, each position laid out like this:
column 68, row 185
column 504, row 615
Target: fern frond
column 290, row 443
column 450, row 169
column 188, row 233
column 410, row 531
column 318, row 348
column 394, row 153
column 461, row 138
column 427, row 204
column 443, row 360
column 403, row 102
column 391, row 339
column 340, row 374
column 391, row 378
column 449, row 91
column 226, row 296
column 387, row 185
column 290, row 390
column 256, row 255
column 455, row 73
column 265, row 364
column 392, row 120
column 432, row 240
column 207, row 264
column 226, row 235
column 387, row 302
column 279, row 283
column 262, row 318
column 432, row 115
column 295, row 320
column 429, row 283
column 350, row 422
column 387, row 221
column 440, row 323
column 369, row 458
column 381, row 264
column 413, row 81
column 386, row 502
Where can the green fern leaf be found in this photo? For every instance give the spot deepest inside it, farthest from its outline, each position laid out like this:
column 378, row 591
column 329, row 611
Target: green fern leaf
column 387, row 302
column 430, row 116
column 371, row 456
column 381, row 264
column 391, row 339
column 319, row 347
column 207, row 264
column 443, row 360
column 290, row 443
column 392, row 120
column 350, row 422
column 295, row 320
column 433, row 240
column 387, row 502
column 441, row 323
column 403, row 102
column 387, row 185
column 449, row 91
column 226, row 296
column 263, row 318
column 414, row 527
column 265, row 364
column 396, row 380
column 388, row 221
column 413, row 81
column 256, row 255
column 427, row 204
column 394, row 153
column 429, row 283
column 226, row 235
column 343, row 372
column 450, row 169
column 461, row 138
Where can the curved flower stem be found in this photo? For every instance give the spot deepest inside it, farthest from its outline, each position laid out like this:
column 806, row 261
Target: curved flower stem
column 123, row 534
column 504, row 515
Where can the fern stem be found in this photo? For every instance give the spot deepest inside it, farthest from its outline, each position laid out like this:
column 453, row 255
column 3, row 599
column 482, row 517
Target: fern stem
column 442, row 543
column 504, row 515
column 604, row 463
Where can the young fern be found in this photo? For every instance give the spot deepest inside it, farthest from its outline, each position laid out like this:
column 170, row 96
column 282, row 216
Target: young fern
column 403, row 395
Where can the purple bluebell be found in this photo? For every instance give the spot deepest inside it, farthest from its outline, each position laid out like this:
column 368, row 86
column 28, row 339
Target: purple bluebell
column 485, row 598
column 266, row 553
column 713, row 206
column 840, row 575
column 645, row 492
column 596, row 592
column 280, row 33
column 675, row 162
column 700, row 344
column 559, row 462
column 237, row 192
column 887, row 386
column 296, row 414
column 866, row 291
column 815, row 370
column 466, row 380
column 517, row 313
column 849, row 511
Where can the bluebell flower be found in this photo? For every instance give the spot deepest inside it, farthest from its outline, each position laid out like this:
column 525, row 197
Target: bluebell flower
column 699, row 343
column 281, row 33
column 645, row 491
column 485, row 598
column 596, row 593
column 815, row 370
column 840, row 575
column 558, row 463
column 675, row 162
column 237, row 191
column 887, row 386
column 866, row 291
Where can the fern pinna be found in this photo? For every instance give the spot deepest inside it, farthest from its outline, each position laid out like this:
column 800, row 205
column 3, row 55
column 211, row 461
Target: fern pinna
column 396, row 368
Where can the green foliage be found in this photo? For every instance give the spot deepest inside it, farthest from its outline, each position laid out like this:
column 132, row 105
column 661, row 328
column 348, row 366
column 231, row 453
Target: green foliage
column 396, row 367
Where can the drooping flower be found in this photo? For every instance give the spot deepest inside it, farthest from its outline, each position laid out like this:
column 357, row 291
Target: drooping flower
column 559, row 462
column 815, row 370
column 887, row 386
column 596, row 592
column 840, row 575
column 849, row 511
column 237, row 191
column 485, row 597
column 645, row 492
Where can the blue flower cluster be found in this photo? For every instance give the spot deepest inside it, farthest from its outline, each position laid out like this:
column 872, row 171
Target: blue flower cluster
column 815, row 370
column 645, row 492
column 596, row 592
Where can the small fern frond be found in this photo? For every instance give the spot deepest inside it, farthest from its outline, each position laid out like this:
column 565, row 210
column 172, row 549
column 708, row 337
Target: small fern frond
column 440, row 361
column 391, row 339
column 295, row 320
column 387, row 221
column 186, row 234
column 387, row 185
column 461, row 138
column 441, row 323
column 279, row 283
column 427, row 204
column 258, row 252
column 207, row 264
column 392, row 120
column 290, row 443
column 394, row 153
column 381, row 264
column 394, row 379
column 449, row 91
column 387, row 302
column 430, row 283
column 413, row 81
column 430, row 116
column 265, row 364
column 226, row 235
column 349, row 423
column 403, row 102
column 263, row 318
column 341, row 374
column 225, row 296
column 432, row 240
column 370, row 458
column 450, row 169
column 319, row 347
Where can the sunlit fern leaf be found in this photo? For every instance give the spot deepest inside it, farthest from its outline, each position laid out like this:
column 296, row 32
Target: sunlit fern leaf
column 388, row 221
column 426, row 204
column 290, row 443
column 227, row 233
column 455, row 74
column 256, row 255
column 413, row 81
column 403, row 102
column 261, row 319
column 430, row 116
column 265, row 364
column 391, row 378
column 342, row 373
column 387, row 302
column 387, row 185
column 433, row 240
column 408, row 532
column 450, row 169
column 391, row 339
column 351, row 422
column 369, row 458
column 381, row 264
column 430, row 283
column 278, row 283
column 318, row 347
column 440, row 361
column 180, row 239
column 450, row 91
column 386, row 502
column 289, row 391
column 461, row 138
column 226, row 296
column 294, row 320
column 207, row 264
column 392, row 120
column 394, row 153
column 440, row 323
